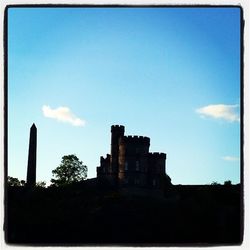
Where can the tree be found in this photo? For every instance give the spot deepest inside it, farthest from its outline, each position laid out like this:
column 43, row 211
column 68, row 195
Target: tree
column 215, row 183
column 41, row 184
column 227, row 183
column 70, row 170
column 14, row 182
column 22, row 182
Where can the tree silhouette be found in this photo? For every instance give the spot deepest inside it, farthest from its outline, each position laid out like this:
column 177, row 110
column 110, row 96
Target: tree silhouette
column 70, row 170
column 215, row 183
column 22, row 182
column 14, row 182
column 227, row 183
column 41, row 184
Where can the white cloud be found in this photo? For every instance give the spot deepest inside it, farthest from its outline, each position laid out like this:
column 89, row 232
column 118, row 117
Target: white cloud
column 220, row 111
column 230, row 158
column 62, row 114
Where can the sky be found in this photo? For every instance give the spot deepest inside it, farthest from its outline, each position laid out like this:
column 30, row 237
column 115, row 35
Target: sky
column 172, row 74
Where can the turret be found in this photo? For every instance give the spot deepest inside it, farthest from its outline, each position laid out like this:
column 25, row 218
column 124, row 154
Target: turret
column 133, row 151
column 117, row 131
column 157, row 163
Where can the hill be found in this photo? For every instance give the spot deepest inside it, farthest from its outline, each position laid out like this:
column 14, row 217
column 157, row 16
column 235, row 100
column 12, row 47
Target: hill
column 88, row 214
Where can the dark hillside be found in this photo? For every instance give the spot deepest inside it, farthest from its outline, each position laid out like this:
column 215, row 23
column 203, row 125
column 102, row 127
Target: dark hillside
column 88, row 214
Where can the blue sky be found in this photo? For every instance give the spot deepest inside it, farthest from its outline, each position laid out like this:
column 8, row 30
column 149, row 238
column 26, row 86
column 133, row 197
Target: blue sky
column 172, row 74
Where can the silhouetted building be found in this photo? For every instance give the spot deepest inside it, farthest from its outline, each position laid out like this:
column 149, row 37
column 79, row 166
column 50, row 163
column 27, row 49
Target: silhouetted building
column 31, row 171
column 130, row 162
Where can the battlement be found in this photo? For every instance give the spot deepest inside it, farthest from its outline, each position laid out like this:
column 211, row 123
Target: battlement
column 117, row 127
column 136, row 139
column 130, row 163
column 107, row 158
column 157, row 155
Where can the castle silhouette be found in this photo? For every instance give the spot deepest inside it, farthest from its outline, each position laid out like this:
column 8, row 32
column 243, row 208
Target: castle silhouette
column 130, row 162
column 101, row 214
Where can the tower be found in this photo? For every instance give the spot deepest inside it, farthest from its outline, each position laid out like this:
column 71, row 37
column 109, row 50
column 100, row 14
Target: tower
column 130, row 163
column 116, row 133
column 133, row 162
column 31, row 171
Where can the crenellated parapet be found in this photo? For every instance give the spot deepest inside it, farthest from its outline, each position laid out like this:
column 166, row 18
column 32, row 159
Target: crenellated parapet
column 156, row 155
column 117, row 128
column 135, row 139
column 105, row 160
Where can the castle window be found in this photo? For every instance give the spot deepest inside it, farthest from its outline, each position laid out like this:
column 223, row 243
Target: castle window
column 154, row 182
column 126, row 165
column 137, row 166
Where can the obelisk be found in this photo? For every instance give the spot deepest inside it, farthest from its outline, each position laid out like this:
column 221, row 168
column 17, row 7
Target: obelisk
column 31, row 171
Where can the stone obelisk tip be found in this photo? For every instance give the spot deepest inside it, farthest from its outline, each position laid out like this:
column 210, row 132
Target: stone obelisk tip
column 31, row 171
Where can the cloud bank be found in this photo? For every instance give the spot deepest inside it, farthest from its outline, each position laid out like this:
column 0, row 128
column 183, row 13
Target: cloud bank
column 62, row 114
column 230, row 158
column 220, row 111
